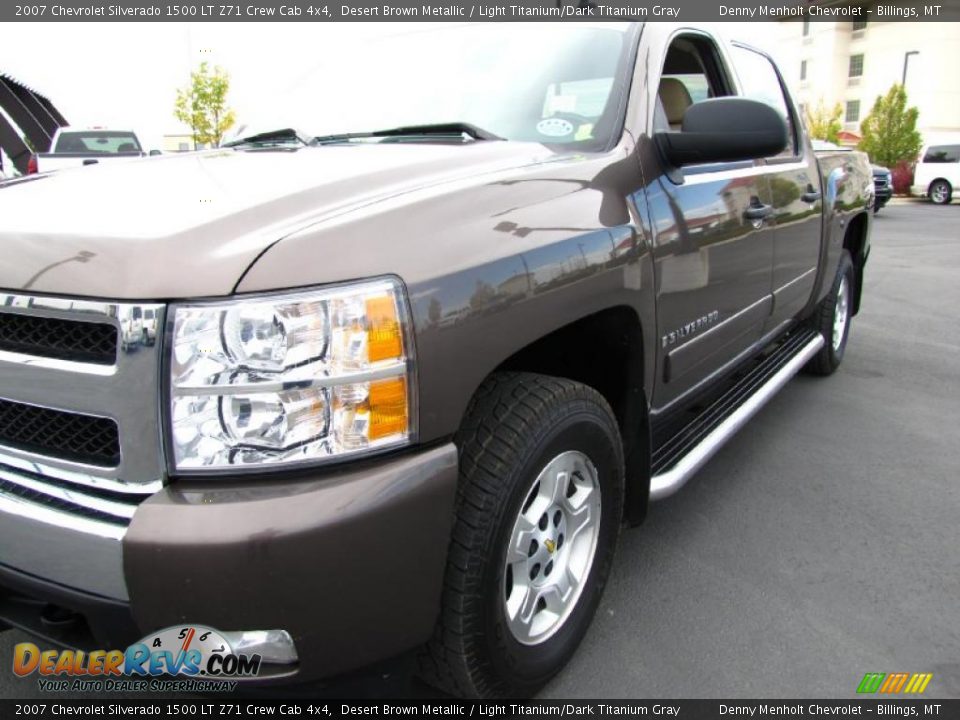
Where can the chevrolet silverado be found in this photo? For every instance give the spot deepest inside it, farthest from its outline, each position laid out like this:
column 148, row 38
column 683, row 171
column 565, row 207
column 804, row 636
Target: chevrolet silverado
column 419, row 353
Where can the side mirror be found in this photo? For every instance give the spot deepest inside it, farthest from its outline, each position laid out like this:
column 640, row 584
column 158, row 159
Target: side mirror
column 154, row 153
column 724, row 130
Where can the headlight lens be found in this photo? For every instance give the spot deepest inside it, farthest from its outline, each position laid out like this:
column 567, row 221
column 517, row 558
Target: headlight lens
column 289, row 379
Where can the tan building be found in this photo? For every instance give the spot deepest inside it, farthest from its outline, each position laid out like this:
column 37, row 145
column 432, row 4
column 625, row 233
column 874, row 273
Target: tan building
column 851, row 63
column 181, row 142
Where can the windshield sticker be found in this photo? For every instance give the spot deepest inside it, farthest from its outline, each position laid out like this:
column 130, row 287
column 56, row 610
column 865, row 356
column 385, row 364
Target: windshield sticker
column 555, row 127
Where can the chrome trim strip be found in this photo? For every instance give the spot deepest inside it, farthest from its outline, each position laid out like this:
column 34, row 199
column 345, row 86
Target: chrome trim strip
column 666, row 484
column 64, row 308
column 84, row 475
column 67, row 521
column 122, row 511
column 62, row 548
column 57, row 364
column 387, row 371
column 797, row 279
column 128, row 392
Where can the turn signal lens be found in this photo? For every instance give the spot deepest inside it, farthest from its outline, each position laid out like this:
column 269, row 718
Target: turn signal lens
column 384, row 341
column 388, row 407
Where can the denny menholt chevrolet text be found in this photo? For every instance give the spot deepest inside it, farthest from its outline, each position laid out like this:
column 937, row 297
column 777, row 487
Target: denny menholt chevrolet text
column 391, row 374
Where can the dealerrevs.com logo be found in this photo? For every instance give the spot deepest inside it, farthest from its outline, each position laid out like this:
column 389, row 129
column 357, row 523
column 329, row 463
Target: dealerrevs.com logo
column 195, row 657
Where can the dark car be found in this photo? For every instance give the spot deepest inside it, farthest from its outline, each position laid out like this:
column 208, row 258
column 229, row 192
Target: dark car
column 883, row 186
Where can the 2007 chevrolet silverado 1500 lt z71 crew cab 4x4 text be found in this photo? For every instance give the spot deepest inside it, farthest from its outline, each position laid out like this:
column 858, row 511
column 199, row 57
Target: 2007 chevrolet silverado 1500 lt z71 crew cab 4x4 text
column 408, row 383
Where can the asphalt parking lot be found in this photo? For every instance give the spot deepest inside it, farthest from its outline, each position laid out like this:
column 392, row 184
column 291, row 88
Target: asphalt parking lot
column 822, row 543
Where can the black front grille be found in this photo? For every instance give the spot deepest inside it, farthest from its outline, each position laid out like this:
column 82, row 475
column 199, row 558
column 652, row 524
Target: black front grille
column 56, row 433
column 63, row 339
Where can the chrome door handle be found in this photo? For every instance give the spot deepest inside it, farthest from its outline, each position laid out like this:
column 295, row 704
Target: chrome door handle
column 757, row 211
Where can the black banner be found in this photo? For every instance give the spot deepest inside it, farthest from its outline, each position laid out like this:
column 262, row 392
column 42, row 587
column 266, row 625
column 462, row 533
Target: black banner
column 221, row 707
column 460, row 10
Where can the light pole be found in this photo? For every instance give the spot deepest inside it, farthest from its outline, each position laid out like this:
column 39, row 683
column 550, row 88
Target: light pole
column 906, row 63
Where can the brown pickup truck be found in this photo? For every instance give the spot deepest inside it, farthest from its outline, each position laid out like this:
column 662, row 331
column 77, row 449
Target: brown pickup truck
column 398, row 381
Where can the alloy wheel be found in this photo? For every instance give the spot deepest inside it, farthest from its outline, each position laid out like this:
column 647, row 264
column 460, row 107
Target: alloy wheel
column 552, row 547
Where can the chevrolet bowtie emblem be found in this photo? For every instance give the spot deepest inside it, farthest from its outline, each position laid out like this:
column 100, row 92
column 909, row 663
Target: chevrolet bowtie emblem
column 551, row 546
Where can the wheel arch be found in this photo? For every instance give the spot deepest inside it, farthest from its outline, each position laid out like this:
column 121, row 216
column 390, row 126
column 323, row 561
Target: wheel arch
column 604, row 351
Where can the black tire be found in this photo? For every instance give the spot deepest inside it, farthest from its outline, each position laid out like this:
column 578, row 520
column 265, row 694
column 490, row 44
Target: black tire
column 940, row 192
column 515, row 425
column 830, row 356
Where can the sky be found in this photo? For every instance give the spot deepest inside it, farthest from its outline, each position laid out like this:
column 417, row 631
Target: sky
column 125, row 75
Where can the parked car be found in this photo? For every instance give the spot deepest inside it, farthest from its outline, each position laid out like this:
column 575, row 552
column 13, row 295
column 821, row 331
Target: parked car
column 414, row 377
column 149, row 326
column 937, row 173
column 75, row 148
column 882, row 177
column 883, row 186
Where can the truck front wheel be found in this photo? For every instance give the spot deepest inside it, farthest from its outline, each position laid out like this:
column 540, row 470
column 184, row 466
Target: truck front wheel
column 539, row 509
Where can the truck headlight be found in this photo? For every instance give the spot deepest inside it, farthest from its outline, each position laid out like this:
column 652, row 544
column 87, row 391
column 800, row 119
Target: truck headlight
column 301, row 377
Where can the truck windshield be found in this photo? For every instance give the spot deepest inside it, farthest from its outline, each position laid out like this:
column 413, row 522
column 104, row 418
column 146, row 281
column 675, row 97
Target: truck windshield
column 547, row 83
column 96, row 141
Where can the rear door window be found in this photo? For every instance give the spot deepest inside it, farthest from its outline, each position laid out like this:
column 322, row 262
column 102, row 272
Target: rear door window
column 942, row 154
column 97, row 141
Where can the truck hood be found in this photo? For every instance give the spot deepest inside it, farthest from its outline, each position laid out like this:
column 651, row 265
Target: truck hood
column 190, row 225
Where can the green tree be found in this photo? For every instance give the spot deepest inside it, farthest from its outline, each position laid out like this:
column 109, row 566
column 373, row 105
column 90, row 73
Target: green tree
column 889, row 132
column 203, row 105
column 784, row 192
column 824, row 124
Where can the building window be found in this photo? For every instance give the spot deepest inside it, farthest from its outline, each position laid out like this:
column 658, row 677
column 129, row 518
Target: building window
column 803, row 70
column 859, row 25
column 183, row 147
column 806, row 28
column 853, row 111
column 856, row 66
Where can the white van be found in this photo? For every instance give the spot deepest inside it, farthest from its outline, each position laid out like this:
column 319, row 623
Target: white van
column 937, row 173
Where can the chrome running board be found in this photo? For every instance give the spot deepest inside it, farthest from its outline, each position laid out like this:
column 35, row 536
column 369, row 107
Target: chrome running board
column 687, row 451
